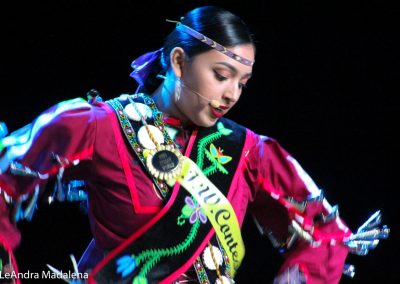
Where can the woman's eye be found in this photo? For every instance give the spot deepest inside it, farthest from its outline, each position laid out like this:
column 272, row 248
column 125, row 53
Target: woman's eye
column 242, row 86
column 219, row 77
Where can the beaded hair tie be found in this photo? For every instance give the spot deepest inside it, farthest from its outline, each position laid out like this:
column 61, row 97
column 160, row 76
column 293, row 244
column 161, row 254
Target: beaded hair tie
column 211, row 43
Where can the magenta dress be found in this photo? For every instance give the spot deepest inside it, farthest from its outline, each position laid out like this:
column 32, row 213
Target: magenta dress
column 90, row 146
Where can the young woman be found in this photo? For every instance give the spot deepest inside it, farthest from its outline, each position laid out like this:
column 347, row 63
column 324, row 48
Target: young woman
column 169, row 179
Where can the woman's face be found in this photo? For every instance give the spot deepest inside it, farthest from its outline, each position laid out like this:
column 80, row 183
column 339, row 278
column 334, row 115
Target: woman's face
column 213, row 76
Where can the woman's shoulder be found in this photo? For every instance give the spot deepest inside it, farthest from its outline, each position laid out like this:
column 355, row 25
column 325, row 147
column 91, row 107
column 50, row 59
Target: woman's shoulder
column 73, row 114
column 232, row 124
column 251, row 134
column 65, row 110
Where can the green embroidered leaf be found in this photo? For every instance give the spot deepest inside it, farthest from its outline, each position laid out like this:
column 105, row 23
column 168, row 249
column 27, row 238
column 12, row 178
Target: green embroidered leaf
column 226, row 131
column 223, row 130
column 139, row 280
column 221, row 168
column 186, row 211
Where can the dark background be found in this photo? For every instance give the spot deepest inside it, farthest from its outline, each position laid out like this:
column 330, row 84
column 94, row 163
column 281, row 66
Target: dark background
column 325, row 85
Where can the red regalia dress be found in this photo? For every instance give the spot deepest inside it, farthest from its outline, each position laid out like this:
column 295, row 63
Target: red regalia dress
column 76, row 140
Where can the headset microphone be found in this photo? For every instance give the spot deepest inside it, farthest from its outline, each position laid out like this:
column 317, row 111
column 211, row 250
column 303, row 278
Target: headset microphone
column 213, row 103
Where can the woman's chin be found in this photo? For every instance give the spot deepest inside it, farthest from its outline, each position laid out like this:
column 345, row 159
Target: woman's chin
column 207, row 123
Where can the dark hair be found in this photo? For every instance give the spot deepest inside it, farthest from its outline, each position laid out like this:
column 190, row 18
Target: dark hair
column 216, row 23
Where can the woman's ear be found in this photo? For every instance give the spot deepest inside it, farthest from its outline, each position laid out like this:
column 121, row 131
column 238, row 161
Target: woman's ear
column 177, row 57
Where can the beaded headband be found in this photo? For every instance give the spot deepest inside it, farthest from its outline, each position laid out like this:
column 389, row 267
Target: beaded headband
column 211, row 43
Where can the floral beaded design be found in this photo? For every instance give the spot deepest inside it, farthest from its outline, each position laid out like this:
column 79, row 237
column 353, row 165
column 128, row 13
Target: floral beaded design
column 191, row 211
column 147, row 259
column 214, row 155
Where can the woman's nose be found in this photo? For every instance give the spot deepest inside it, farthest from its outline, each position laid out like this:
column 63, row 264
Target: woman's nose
column 232, row 94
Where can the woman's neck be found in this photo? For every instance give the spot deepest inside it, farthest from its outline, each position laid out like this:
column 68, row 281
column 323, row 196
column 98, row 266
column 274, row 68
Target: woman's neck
column 164, row 100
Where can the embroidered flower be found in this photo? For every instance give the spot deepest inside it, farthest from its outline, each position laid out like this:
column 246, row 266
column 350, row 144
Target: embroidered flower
column 218, row 154
column 197, row 212
column 126, row 265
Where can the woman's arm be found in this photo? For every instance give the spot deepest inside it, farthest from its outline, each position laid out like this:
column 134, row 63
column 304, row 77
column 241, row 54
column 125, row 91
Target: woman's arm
column 291, row 210
column 58, row 142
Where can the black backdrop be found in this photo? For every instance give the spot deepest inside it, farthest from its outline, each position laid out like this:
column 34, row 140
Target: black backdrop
column 324, row 85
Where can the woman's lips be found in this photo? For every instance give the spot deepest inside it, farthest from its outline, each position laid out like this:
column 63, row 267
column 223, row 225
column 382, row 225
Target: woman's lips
column 217, row 112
